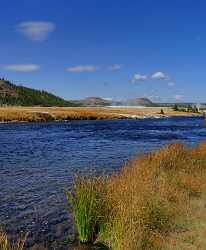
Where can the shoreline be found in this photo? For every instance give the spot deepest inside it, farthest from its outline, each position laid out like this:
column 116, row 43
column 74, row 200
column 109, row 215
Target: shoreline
column 52, row 230
column 169, row 195
column 56, row 114
column 116, row 119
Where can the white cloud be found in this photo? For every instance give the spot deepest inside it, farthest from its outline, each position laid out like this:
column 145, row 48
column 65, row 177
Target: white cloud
column 138, row 77
column 36, row 31
column 154, row 98
column 82, row 68
column 171, row 84
column 159, row 76
column 22, row 67
column 179, row 97
column 115, row 67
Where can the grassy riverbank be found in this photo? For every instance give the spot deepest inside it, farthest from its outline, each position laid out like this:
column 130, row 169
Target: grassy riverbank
column 156, row 202
column 38, row 114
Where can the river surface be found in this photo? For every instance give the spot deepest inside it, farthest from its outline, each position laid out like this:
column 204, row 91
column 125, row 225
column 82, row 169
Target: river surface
column 38, row 162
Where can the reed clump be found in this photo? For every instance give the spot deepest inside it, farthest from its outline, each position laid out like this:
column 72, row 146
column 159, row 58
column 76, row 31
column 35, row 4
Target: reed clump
column 6, row 244
column 89, row 207
column 146, row 204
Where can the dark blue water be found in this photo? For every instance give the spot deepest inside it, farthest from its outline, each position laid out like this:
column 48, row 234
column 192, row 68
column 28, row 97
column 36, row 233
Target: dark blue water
column 38, row 161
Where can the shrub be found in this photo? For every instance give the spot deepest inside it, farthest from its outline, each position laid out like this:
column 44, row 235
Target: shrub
column 175, row 107
column 162, row 112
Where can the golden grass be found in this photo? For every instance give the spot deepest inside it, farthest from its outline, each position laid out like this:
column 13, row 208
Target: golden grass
column 157, row 202
column 33, row 114
column 6, row 244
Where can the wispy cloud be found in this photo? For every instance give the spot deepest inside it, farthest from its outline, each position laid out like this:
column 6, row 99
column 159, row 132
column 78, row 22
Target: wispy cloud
column 139, row 77
column 115, row 67
column 22, row 67
column 154, row 98
column 82, row 68
column 36, row 31
column 156, row 76
column 159, row 76
column 171, row 84
column 179, row 97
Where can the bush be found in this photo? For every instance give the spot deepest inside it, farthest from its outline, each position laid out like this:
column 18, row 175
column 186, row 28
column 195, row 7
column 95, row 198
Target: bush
column 162, row 112
column 175, row 107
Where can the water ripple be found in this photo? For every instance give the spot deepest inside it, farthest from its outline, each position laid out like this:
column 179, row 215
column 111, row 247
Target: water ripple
column 38, row 161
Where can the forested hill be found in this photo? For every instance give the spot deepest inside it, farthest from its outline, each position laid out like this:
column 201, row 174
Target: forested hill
column 11, row 94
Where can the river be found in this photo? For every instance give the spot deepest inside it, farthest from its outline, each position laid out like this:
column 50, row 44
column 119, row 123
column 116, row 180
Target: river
column 39, row 160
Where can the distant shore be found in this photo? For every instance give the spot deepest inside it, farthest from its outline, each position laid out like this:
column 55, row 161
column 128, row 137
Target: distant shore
column 47, row 114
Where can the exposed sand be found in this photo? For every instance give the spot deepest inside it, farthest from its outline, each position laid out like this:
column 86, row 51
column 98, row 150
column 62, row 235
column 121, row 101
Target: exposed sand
column 32, row 114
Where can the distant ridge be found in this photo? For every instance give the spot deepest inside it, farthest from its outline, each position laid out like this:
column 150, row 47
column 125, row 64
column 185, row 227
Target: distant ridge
column 141, row 102
column 94, row 102
column 13, row 95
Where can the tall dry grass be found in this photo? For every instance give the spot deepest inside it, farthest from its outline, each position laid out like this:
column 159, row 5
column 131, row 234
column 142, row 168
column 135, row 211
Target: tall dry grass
column 6, row 244
column 39, row 114
column 44, row 114
column 149, row 200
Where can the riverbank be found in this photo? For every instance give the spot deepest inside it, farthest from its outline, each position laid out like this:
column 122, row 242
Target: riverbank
column 156, row 202
column 41, row 114
column 40, row 160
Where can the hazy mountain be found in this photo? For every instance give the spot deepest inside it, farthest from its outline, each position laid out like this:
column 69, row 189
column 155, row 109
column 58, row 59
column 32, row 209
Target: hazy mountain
column 94, row 102
column 11, row 94
column 140, row 102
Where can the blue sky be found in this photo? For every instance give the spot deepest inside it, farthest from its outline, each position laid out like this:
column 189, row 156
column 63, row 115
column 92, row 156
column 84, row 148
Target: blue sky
column 113, row 49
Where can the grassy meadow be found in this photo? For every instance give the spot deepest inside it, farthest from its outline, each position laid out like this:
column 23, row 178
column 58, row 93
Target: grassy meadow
column 41, row 114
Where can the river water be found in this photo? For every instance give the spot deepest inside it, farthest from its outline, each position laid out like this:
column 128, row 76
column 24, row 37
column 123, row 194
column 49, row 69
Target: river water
column 38, row 162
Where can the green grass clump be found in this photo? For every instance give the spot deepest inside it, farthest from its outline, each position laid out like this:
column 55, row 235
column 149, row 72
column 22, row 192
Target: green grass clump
column 89, row 207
